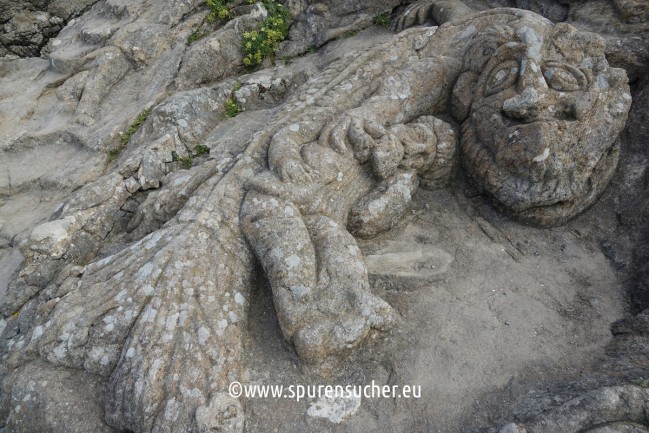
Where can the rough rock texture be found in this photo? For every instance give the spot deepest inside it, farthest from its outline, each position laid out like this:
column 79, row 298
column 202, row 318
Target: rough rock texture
column 27, row 25
column 143, row 282
column 320, row 22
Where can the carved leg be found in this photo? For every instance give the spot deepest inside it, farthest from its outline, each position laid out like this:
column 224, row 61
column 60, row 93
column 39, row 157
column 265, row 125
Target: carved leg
column 277, row 233
column 346, row 309
column 317, row 275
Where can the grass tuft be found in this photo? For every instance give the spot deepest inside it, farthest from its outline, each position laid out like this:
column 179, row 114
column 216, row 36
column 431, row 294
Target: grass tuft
column 125, row 137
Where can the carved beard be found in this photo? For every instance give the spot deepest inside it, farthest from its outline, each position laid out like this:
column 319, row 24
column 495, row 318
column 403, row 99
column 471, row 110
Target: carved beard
column 541, row 193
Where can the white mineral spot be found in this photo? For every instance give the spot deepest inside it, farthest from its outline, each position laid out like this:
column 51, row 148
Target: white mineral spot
column 377, row 206
column 239, row 299
column 233, row 317
column 38, row 331
column 300, row 290
column 149, row 314
column 182, row 318
column 220, row 327
column 543, row 156
column 148, row 290
column 626, row 96
column 130, row 353
column 288, row 212
column 294, row 127
column 56, row 42
column 59, row 351
column 171, row 322
column 292, row 262
column 171, row 410
column 203, row 335
column 334, row 409
column 56, row 230
column 602, row 81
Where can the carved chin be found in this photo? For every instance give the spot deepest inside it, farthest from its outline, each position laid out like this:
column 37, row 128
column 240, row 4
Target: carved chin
column 546, row 197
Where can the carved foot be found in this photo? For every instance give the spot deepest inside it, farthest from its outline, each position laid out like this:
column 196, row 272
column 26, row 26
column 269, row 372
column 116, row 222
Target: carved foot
column 324, row 336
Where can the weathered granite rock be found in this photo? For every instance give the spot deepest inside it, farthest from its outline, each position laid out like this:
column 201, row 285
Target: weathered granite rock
column 56, row 399
column 555, row 95
column 26, row 26
column 317, row 23
column 143, row 278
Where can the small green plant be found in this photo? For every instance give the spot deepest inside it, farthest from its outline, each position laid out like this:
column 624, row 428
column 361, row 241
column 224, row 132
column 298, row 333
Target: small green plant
column 312, row 49
column 113, row 154
column 382, row 20
column 287, row 60
column 231, row 107
column 263, row 43
column 185, row 161
column 639, row 382
column 125, row 137
column 197, row 34
column 133, row 127
column 218, row 10
column 350, row 33
column 201, row 149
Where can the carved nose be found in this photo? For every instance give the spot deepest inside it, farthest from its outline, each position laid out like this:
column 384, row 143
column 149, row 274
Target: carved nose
column 531, row 93
column 523, row 105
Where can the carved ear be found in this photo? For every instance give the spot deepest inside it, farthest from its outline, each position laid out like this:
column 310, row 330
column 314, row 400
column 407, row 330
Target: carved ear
column 463, row 93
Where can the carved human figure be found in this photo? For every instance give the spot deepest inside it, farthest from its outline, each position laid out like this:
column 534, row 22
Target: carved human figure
column 295, row 218
column 539, row 110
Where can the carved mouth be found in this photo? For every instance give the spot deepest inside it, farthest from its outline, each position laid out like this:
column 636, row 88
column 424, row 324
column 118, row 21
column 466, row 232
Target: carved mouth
column 563, row 118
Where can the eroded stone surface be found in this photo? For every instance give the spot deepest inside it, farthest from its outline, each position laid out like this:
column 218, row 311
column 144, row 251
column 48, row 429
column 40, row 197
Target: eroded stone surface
column 143, row 278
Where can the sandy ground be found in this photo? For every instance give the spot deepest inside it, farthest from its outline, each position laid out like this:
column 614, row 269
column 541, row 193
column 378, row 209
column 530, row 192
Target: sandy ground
column 487, row 305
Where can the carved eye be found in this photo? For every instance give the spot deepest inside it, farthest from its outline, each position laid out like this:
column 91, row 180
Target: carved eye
column 563, row 78
column 501, row 77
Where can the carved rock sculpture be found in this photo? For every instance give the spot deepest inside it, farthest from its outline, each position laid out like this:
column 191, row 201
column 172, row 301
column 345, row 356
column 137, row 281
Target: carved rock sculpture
column 160, row 320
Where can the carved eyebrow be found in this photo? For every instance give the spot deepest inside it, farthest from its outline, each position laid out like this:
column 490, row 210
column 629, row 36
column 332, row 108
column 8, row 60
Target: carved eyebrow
column 581, row 77
column 509, row 50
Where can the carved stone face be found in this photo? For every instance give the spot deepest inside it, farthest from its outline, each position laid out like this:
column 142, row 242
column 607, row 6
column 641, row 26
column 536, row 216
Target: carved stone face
column 544, row 114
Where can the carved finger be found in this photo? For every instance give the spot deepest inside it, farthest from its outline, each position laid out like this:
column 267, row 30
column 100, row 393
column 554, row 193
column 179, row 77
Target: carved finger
column 338, row 138
column 374, row 128
column 361, row 141
column 414, row 15
column 411, row 147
